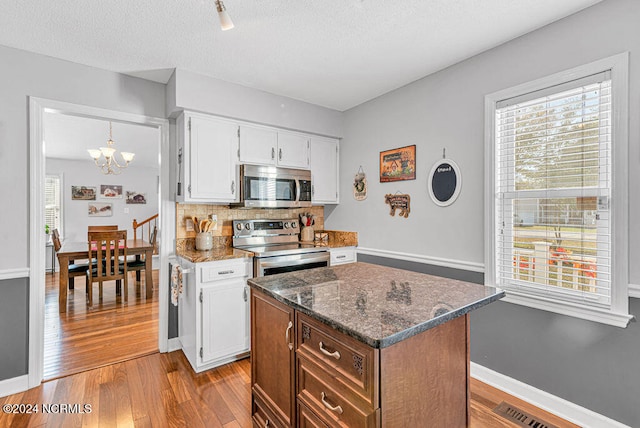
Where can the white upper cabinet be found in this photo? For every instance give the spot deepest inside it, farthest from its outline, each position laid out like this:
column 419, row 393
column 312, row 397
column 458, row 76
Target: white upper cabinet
column 207, row 159
column 293, row 150
column 270, row 146
column 258, row 145
column 324, row 170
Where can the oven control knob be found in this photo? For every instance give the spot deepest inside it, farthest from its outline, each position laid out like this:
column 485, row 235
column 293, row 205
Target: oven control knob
column 293, row 224
column 247, row 226
column 286, row 225
column 239, row 226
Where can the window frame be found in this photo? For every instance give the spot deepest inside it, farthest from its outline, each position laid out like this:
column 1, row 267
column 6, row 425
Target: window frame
column 618, row 312
column 60, row 178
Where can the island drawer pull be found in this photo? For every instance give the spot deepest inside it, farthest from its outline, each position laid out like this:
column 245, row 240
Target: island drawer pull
column 335, row 354
column 286, row 335
column 336, row 409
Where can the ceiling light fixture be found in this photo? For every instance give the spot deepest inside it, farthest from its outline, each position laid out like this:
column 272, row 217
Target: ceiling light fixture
column 110, row 166
column 225, row 19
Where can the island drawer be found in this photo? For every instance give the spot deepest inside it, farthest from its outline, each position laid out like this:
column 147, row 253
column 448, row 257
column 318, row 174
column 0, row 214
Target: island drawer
column 263, row 417
column 352, row 363
column 327, row 399
column 308, row 419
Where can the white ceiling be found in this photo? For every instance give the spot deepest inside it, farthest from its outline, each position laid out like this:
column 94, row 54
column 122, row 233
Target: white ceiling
column 333, row 53
column 69, row 137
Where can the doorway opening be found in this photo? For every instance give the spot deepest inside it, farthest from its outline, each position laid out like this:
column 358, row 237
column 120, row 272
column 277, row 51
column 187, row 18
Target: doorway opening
column 80, row 336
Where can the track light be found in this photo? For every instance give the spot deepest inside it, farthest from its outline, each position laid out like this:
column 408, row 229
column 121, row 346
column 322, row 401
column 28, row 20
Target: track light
column 225, row 19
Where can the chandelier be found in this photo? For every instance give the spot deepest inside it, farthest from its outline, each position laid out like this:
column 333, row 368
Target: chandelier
column 110, row 165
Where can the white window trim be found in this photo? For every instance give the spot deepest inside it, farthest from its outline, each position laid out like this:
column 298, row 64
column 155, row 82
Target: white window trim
column 618, row 314
column 60, row 176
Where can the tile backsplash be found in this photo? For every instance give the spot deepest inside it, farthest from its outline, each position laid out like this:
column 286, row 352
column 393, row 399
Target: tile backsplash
column 226, row 215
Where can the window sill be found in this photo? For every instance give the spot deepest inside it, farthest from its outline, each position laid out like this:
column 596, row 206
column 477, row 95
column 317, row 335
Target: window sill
column 566, row 308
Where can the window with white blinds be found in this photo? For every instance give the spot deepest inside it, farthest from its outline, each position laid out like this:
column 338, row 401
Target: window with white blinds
column 52, row 202
column 556, row 192
column 553, row 177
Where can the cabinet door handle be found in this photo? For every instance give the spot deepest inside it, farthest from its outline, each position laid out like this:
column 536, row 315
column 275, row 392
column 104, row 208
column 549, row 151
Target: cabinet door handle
column 233, row 186
column 273, row 153
column 286, row 335
column 244, row 294
column 280, row 154
column 266, row 424
column 336, row 409
column 334, row 354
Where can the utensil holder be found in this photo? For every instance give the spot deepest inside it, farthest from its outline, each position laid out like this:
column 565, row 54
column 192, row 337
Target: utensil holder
column 307, row 234
column 204, row 241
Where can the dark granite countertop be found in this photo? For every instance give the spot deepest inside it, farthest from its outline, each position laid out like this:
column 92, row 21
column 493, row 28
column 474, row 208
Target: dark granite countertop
column 374, row 304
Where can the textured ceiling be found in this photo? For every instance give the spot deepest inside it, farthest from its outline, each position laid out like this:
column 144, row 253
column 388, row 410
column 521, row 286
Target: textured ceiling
column 334, row 53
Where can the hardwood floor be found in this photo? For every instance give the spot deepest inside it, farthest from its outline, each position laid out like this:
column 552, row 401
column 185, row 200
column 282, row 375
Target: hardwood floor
column 161, row 390
column 84, row 338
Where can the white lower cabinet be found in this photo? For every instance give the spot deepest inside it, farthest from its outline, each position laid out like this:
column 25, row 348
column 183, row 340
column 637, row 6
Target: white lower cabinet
column 214, row 312
column 343, row 255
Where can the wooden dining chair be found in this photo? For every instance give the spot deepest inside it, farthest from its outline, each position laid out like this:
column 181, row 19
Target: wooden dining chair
column 111, row 248
column 138, row 264
column 75, row 269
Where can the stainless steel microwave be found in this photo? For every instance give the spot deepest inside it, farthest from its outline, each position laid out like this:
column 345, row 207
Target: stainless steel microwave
column 272, row 187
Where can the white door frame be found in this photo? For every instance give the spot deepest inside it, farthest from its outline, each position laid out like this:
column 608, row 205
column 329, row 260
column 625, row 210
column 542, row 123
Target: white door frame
column 166, row 234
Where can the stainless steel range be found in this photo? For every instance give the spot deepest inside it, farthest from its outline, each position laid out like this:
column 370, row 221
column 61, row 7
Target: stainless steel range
column 276, row 246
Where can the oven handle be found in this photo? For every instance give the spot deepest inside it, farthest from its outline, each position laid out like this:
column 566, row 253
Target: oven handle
column 293, row 262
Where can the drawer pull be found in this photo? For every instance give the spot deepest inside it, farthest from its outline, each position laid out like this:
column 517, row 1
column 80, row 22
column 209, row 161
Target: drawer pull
column 341, row 257
column 286, row 335
column 336, row 409
column 266, row 424
column 335, row 354
column 225, row 272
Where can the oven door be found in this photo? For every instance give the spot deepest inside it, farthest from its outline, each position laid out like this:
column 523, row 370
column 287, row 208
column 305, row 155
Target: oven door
column 263, row 266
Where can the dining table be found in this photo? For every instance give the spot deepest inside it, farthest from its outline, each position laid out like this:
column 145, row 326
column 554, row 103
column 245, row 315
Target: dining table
column 75, row 250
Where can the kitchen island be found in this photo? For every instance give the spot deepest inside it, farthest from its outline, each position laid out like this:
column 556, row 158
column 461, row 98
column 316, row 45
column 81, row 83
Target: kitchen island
column 361, row 345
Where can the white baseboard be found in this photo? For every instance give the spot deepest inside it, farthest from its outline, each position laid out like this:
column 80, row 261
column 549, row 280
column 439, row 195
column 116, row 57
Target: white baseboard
column 14, row 273
column 634, row 290
column 558, row 406
column 174, row 344
column 14, row 385
column 436, row 261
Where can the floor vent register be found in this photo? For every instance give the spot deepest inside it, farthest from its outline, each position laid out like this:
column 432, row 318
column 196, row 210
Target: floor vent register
column 520, row 417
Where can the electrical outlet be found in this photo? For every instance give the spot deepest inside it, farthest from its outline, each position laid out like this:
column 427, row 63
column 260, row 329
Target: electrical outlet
column 126, row 210
column 214, row 219
column 189, row 225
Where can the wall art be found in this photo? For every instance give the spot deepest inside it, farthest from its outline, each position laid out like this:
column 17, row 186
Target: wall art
column 360, row 185
column 398, row 164
column 83, row 193
column 97, row 209
column 444, row 182
column 136, row 198
column 398, row 201
column 110, row 191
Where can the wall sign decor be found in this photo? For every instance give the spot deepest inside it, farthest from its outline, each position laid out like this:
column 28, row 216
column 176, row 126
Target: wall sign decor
column 100, row 209
column 360, row 185
column 110, row 191
column 400, row 202
column 398, row 164
column 444, row 182
column 83, row 193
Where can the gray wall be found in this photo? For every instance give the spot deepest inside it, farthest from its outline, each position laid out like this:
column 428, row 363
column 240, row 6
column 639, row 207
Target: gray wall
column 589, row 364
column 14, row 300
column 24, row 74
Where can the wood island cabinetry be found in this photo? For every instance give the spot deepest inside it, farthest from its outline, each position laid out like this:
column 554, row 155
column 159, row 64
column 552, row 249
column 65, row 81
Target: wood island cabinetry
column 361, row 345
column 338, row 381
